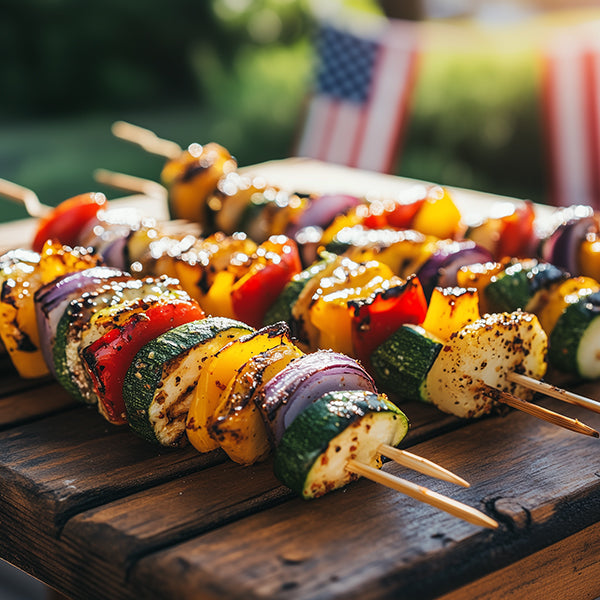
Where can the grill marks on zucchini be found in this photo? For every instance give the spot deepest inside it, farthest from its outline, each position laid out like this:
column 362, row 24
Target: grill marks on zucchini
column 76, row 320
column 160, row 381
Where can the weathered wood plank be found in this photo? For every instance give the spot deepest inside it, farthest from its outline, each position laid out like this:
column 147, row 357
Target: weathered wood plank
column 17, row 408
column 573, row 564
column 58, row 466
column 539, row 481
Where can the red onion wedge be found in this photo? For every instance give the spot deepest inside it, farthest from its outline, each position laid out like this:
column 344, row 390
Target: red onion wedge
column 52, row 299
column 441, row 267
column 561, row 247
column 305, row 380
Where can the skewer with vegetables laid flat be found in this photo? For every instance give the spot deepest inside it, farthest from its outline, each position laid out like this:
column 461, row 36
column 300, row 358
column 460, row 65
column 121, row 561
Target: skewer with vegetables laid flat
column 569, row 238
column 411, row 289
column 362, row 424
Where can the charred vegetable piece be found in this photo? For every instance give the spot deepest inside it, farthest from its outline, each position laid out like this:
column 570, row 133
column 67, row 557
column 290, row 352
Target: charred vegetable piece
column 486, row 350
column 237, row 423
column 450, row 309
column 305, row 380
column 76, row 319
column 312, row 455
column 275, row 262
column 160, row 381
column 19, row 279
column 108, row 358
column 192, row 176
column 52, row 299
column 375, row 318
column 575, row 340
column 218, row 371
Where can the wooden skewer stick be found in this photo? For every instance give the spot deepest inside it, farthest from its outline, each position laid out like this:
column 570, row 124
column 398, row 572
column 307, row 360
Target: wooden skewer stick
column 422, row 494
column 555, row 392
column 129, row 183
column 420, row 464
column 540, row 412
column 25, row 197
column 146, row 139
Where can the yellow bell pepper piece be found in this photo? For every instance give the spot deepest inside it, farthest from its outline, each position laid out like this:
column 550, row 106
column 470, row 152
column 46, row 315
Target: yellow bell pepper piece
column 589, row 256
column 451, row 309
column 478, row 276
column 217, row 371
column 57, row 260
column 350, row 219
column 18, row 326
column 438, row 215
column 19, row 282
column 330, row 312
column 217, row 301
column 568, row 292
column 237, row 423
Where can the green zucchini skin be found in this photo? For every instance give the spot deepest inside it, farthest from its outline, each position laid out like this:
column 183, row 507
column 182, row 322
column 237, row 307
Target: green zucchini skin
column 281, row 310
column 403, row 361
column 517, row 285
column 574, row 342
column 144, row 376
column 316, row 430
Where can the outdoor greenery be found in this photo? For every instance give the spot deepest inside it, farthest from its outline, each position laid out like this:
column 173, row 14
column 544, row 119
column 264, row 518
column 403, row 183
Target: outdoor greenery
column 233, row 71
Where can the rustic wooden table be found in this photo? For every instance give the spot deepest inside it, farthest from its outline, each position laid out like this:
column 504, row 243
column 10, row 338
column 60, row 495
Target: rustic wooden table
column 97, row 513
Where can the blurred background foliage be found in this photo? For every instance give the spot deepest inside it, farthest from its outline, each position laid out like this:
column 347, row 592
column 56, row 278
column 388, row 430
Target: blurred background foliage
column 237, row 72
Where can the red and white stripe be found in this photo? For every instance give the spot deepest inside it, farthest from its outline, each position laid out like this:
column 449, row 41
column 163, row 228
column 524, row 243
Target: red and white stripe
column 369, row 135
column 571, row 99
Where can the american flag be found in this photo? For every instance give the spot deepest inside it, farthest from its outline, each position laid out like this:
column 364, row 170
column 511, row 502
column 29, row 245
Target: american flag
column 358, row 110
column 571, row 101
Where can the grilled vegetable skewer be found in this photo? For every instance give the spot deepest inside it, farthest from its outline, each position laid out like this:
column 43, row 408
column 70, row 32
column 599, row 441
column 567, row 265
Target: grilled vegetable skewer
column 187, row 346
column 370, row 316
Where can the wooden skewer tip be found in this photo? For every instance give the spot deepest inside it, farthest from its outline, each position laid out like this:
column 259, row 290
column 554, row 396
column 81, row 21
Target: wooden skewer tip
column 420, row 464
column 554, row 391
column 422, row 494
column 540, row 412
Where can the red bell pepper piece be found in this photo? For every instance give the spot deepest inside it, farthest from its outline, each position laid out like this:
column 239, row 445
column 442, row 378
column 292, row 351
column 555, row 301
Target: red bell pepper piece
column 398, row 215
column 380, row 315
column 65, row 222
column 517, row 232
column 109, row 357
column 277, row 261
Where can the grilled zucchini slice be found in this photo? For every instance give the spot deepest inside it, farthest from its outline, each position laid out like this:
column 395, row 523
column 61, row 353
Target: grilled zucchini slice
column 162, row 378
column 312, row 455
